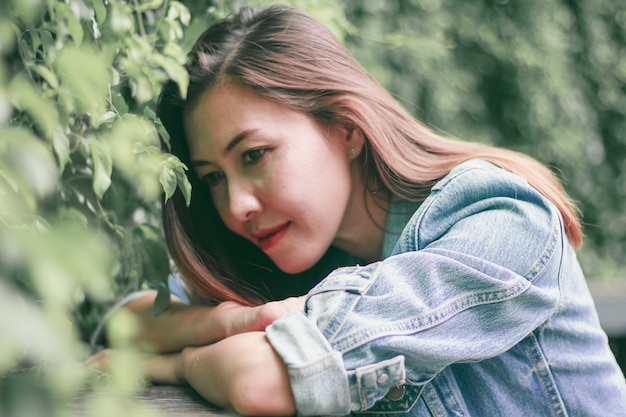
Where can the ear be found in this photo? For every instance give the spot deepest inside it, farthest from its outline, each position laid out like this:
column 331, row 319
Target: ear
column 354, row 141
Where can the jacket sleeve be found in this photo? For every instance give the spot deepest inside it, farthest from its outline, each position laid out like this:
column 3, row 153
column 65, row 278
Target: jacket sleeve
column 475, row 270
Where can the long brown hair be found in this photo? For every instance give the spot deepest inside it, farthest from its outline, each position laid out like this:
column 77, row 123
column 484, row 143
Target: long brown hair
column 287, row 56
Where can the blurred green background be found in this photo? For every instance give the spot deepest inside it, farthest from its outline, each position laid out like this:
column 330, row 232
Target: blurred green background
column 82, row 177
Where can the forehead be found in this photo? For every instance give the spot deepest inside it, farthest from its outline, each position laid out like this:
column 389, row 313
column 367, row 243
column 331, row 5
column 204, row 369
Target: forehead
column 221, row 97
column 227, row 109
column 219, row 110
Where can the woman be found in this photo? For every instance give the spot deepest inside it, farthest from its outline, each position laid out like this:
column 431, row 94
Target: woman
column 459, row 292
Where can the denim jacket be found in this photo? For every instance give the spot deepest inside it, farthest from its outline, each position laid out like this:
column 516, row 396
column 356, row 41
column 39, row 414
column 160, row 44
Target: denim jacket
column 478, row 308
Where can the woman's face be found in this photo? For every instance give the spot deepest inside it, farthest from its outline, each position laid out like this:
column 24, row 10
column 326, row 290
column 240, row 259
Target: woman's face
column 276, row 177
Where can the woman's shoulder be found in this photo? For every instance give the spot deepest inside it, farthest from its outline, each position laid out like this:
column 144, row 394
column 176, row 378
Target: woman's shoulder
column 479, row 172
column 485, row 196
column 478, row 180
column 488, row 213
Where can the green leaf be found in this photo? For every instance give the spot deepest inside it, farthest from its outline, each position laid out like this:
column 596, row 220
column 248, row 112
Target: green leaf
column 34, row 333
column 88, row 83
column 162, row 300
column 119, row 103
column 175, row 71
column 175, row 51
column 149, row 113
column 107, row 117
column 184, row 184
column 121, row 328
column 48, row 44
column 29, row 161
column 164, row 134
column 134, row 145
column 28, row 98
column 180, row 11
column 61, row 145
column 8, row 36
column 74, row 27
column 73, row 216
column 148, row 5
column 28, row 11
column 50, row 6
column 131, row 256
column 156, row 265
column 47, row 75
column 141, row 88
column 102, row 167
column 170, row 31
column 100, row 9
column 121, row 20
column 168, row 181
column 35, row 40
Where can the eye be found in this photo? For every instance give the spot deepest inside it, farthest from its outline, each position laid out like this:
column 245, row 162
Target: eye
column 213, row 178
column 253, row 156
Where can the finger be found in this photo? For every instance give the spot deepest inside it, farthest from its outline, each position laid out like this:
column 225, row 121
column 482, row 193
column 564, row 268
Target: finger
column 295, row 303
column 97, row 360
column 162, row 369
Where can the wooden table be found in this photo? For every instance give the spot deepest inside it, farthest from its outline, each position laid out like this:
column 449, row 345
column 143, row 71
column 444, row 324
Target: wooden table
column 170, row 401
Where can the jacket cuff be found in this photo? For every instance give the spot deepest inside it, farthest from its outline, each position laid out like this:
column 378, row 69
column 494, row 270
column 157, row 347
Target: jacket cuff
column 316, row 371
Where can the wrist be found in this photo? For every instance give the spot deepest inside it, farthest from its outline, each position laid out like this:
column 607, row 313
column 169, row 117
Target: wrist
column 180, row 370
column 200, row 326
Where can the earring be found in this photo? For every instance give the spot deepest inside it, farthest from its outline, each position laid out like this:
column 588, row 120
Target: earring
column 351, row 151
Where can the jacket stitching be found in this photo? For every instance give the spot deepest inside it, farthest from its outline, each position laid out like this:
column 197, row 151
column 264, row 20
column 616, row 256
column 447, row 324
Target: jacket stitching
column 430, row 319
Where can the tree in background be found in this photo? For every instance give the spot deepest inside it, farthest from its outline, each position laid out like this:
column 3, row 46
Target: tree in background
column 547, row 78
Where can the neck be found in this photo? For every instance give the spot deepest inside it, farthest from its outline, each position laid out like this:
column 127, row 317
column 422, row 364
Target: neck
column 362, row 231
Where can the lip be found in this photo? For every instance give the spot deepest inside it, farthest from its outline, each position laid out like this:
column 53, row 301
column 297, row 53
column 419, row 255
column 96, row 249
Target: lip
column 266, row 238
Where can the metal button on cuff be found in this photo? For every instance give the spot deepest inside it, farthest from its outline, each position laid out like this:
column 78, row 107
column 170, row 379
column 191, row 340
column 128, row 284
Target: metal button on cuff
column 372, row 382
column 396, row 393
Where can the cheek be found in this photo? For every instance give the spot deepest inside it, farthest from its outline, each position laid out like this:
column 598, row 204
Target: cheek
column 221, row 207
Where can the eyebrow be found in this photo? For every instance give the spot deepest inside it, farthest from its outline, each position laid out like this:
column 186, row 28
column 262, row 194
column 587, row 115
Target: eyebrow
column 231, row 145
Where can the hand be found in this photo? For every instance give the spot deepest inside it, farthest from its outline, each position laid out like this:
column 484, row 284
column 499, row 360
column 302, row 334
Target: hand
column 183, row 325
column 234, row 318
column 158, row 368
column 242, row 372
column 234, row 365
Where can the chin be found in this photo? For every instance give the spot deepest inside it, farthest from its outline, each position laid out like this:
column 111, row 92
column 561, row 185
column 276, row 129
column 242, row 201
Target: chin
column 295, row 267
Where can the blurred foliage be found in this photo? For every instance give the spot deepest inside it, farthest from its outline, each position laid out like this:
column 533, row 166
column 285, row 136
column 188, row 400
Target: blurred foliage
column 547, row 78
column 81, row 179
column 82, row 174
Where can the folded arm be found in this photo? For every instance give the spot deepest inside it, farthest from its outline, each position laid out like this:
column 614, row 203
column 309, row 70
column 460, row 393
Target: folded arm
column 183, row 325
column 220, row 351
column 242, row 372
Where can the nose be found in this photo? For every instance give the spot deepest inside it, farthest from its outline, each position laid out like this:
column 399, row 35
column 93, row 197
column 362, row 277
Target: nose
column 243, row 202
